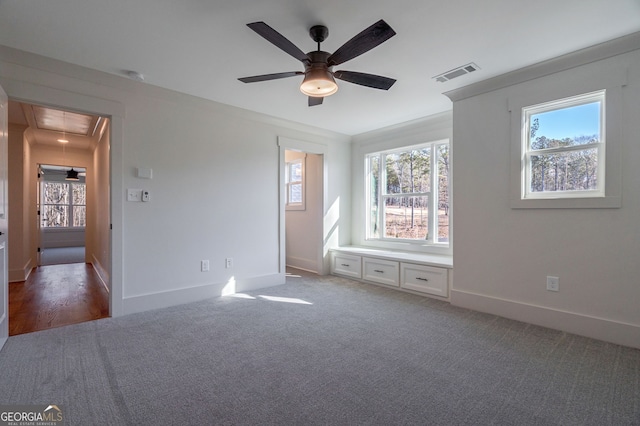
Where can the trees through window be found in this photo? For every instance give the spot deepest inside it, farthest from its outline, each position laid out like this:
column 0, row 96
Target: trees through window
column 294, row 184
column 564, row 148
column 64, row 205
column 408, row 194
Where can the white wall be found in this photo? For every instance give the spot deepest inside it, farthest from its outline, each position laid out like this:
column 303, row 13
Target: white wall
column 55, row 238
column 98, row 248
column 215, row 187
column 303, row 233
column 19, row 259
column 502, row 255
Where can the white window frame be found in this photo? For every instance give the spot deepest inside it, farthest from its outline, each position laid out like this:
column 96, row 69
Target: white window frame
column 69, row 205
column 528, row 152
column 612, row 85
column 289, row 205
column 432, row 195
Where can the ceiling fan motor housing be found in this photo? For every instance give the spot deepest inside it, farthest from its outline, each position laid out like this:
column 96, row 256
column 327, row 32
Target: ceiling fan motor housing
column 318, row 76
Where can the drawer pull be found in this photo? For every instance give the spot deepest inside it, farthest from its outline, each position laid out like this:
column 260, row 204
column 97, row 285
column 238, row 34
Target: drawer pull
column 378, row 271
column 422, row 279
column 345, row 264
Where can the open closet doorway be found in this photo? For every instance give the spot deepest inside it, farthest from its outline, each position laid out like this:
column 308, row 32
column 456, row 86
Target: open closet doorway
column 302, row 209
column 59, row 219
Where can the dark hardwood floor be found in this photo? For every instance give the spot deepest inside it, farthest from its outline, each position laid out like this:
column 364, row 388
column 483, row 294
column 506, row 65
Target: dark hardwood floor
column 56, row 295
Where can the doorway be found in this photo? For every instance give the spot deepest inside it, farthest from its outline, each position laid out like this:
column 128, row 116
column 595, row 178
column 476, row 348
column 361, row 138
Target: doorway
column 302, row 217
column 303, row 210
column 62, row 218
column 59, row 221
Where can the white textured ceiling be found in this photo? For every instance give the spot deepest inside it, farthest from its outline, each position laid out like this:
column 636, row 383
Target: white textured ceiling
column 201, row 47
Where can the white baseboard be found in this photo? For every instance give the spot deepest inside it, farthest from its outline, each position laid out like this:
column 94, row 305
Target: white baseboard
column 17, row 275
column 103, row 274
column 4, row 329
column 168, row 298
column 301, row 263
column 608, row 330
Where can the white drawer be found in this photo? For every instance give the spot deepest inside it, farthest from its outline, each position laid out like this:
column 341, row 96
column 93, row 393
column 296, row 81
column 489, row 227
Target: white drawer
column 381, row 271
column 344, row 264
column 425, row 279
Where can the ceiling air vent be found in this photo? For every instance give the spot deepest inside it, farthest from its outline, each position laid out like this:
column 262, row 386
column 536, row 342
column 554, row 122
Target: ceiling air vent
column 456, row 72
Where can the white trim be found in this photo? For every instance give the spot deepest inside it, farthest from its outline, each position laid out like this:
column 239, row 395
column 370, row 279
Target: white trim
column 309, row 148
column 382, row 240
column 26, row 91
column 442, row 261
column 102, row 272
column 527, row 151
column 432, row 128
column 17, row 275
column 612, row 83
column 310, row 265
column 302, row 160
column 618, row 332
column 608, row 49
column 165, row 299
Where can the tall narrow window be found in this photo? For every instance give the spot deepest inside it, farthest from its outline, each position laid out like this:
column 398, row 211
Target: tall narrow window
column 408, row 194
column 564, row 148
column 294, row 183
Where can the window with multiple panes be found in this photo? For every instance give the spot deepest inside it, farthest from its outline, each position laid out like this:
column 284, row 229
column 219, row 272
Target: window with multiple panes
column 408, row 194
column 294, row 184
column 564, row 147
column 64, row 205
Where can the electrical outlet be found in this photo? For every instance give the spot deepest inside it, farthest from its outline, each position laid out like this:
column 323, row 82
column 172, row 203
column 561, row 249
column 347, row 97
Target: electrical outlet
column 553, row 283
column 228, row 262
column 204, row 265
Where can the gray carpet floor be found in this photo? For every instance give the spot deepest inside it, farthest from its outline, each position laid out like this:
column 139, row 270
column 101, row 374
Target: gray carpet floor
column 321, row 350
column 62, row 255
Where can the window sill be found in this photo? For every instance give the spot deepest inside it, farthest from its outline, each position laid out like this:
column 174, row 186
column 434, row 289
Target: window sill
column 443, row 261
column 611, row 202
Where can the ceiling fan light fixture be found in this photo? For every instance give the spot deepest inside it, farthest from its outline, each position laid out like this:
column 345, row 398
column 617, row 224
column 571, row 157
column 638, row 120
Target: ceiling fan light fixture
column 318, row 82
column 72, row 175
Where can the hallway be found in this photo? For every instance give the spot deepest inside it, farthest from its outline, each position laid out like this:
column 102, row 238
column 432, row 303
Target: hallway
column 56, row 295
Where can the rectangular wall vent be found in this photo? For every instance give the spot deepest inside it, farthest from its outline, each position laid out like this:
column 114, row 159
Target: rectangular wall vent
column 456, row 72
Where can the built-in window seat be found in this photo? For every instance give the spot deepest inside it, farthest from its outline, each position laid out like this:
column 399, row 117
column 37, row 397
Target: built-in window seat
column 424, row 274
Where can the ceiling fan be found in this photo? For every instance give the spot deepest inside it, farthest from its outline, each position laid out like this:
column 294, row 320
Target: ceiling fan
column 319, row 77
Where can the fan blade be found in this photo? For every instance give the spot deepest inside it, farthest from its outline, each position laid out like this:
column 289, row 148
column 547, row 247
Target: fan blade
column 313, row 101
column 376, row 34
column 266, row 77
column 369, row 80
column 278, row 40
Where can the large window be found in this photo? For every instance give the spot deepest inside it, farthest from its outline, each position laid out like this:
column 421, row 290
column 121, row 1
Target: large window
column 564, row 148
column 64, row 205
column 408, row 194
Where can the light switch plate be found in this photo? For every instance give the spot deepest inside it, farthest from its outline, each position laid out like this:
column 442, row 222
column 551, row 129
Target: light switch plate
column 134, row 194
